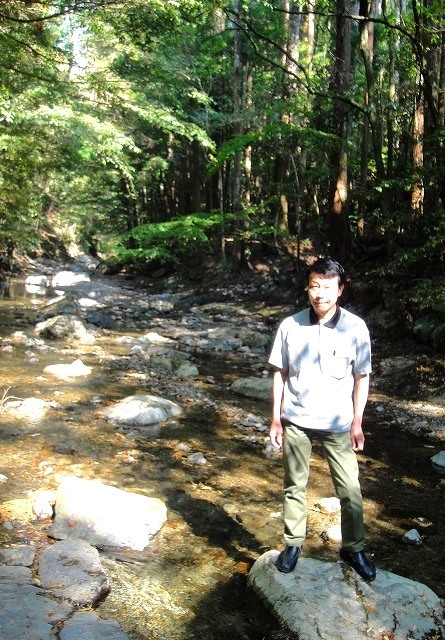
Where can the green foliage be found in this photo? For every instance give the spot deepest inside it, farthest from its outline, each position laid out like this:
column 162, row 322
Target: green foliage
column 115, row 115
column 177, row 241
column 279, row 136
column 424, row 298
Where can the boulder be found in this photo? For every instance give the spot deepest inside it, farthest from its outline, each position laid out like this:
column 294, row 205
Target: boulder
column 27, row 613
column 438, row 337
column 71, row 570
column 68, row 279
column 37, row 281
column 424, row 327
column 260, row 388
column 77, row 369
column 63, row 326
column 32, row 409
column 328, row 601
column 105, row 516
column 21, row 555
column 141, row 410
column 253, row 339
column 187, row 370
column 86, row 625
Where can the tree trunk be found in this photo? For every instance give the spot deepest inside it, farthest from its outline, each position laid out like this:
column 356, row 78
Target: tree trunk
column 292, row 23
column 339, row 238
column 367, row 46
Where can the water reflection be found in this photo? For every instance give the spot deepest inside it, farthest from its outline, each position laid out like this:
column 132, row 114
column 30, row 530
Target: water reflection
column 18, row 289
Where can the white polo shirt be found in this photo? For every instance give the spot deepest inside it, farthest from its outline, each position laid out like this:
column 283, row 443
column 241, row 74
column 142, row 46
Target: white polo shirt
column 321, row 360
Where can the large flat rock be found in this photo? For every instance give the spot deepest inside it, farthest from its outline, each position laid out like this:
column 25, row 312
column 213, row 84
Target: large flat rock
column 86, row 625
column 26, row 611
column 105, row 516
column 71, row 569
column 329, row 601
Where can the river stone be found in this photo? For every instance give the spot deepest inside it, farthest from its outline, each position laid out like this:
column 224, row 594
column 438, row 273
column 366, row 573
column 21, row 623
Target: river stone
column 412, row 537
column 62, row 326
column 76, row 369
column 439, row 461
column 260, row 388
column 19, row 555
column 424, row 327
column 438, row 337
column 253, row 339
column 37, row 281
column 68, row 279
column 142, row 410
column 328, row 601
column 31, row 408
column 71, row 569
column 155, row 338
column 187, row 370
column 329, row 505
column 86, row 625
column 105, row 516
column 26, row 612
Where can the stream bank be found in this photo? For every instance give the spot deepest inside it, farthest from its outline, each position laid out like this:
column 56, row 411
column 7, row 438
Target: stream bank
column 191, row 581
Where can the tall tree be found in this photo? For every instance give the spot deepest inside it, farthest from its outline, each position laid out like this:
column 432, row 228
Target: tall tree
column 341, row 81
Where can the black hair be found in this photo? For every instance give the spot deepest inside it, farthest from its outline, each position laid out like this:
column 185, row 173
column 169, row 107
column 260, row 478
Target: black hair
column 328, row 268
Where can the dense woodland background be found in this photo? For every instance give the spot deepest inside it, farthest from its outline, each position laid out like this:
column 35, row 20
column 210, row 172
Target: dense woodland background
column 188, row 134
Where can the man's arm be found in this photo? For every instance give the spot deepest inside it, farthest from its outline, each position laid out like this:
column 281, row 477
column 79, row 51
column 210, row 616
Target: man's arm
column 360, row 397
column 276, row 428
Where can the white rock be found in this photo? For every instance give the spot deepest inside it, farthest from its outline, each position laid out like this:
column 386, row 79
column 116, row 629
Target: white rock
column 76, row 369
column 33, row 409
column 333, row 533
column 439, row 461
column 183, row 446
column 197, row 458
column 329, row 505
column 38, row 281
column 42, row 507
column 142, row 410
column 413, row 537
column 136, row 349
column 155, row 338
column 88, row 303
column 69, row 278
column 105, row 516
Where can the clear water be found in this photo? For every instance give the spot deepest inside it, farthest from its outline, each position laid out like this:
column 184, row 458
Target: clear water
column 191, row 581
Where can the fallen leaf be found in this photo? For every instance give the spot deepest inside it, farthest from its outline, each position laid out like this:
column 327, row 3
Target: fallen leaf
column 370, row 609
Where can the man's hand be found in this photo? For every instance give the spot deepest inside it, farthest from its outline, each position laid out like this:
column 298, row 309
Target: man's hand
column 276, row 433
column 357, row 436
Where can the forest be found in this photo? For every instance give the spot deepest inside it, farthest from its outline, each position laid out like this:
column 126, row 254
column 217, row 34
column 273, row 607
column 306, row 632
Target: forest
column 191, row 133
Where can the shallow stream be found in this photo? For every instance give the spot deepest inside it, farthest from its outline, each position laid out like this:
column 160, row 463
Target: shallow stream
column 190, row 583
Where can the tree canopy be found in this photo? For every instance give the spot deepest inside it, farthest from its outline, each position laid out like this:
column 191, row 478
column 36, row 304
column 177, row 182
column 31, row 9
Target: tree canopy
column 157, row 132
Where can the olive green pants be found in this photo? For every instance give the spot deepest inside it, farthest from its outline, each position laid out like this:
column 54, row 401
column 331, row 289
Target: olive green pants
column 343, row 466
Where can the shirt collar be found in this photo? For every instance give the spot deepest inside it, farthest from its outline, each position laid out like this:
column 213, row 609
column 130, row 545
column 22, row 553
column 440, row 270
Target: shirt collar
column 330, row 324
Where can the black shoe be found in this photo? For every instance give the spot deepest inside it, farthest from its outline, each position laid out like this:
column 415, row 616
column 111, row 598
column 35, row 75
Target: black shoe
column 359, row 562
column 288, row 559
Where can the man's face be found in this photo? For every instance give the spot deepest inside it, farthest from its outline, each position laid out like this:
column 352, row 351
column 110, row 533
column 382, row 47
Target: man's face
column 323, row 294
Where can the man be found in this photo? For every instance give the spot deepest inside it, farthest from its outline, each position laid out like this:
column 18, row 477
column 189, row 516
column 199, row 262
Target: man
column 320, row 389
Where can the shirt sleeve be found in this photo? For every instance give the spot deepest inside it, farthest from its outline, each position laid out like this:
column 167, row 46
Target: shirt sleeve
column 279, row 355
column 363, row 364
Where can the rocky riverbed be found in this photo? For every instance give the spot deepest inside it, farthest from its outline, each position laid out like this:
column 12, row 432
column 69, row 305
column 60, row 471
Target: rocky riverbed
column 212, row 465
